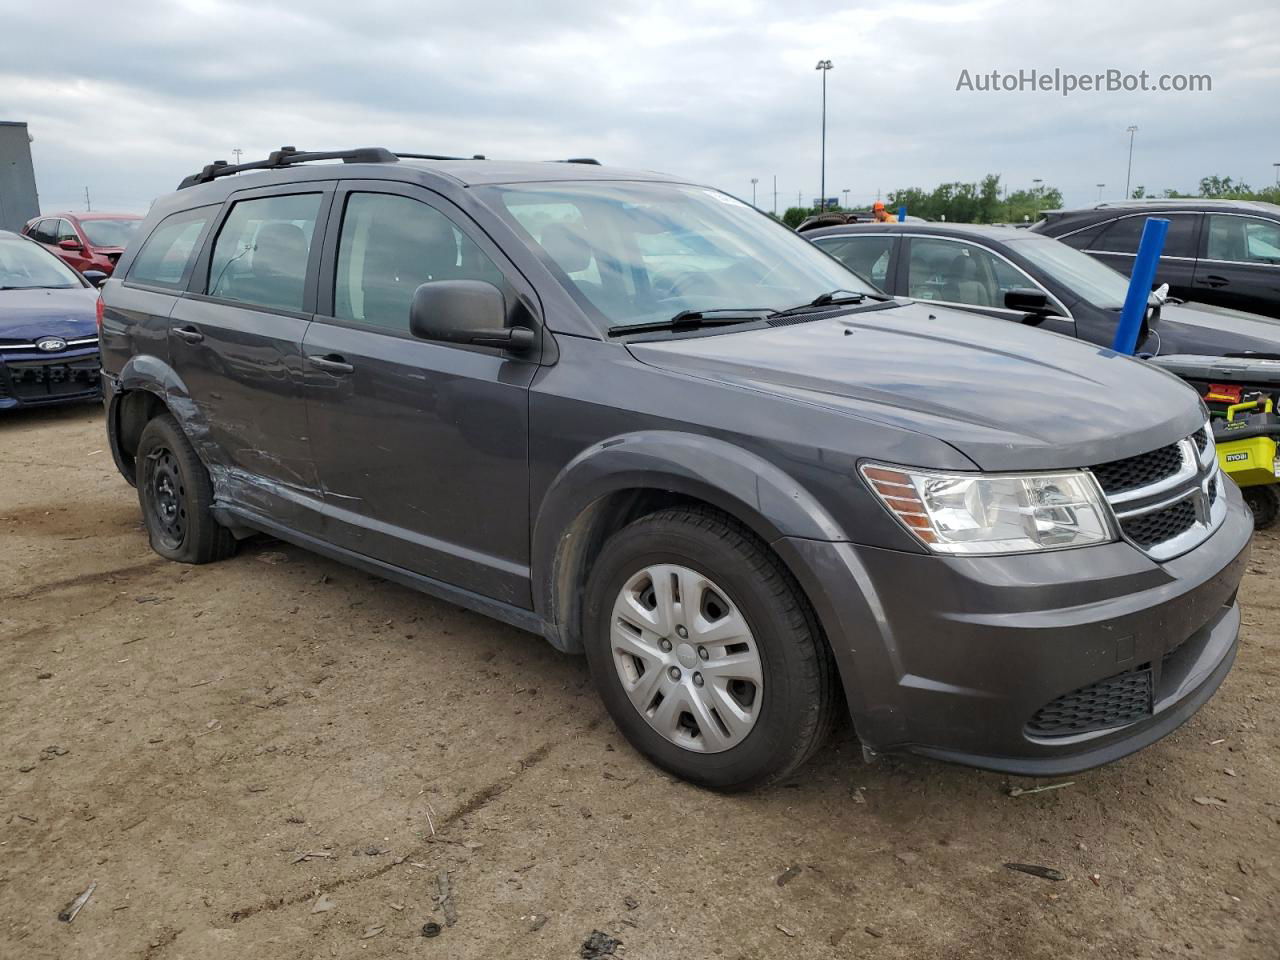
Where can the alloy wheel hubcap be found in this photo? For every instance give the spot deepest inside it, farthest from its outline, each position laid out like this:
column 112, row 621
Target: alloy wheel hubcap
column 687, row 658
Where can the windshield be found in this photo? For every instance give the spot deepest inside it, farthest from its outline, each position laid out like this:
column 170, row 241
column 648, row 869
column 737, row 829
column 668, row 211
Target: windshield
column 636, row 253
column 109, row 233
column 24, row 265
column 1084, row 276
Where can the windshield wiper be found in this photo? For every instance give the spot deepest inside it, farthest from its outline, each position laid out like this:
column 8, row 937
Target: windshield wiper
column 831, row 298
column 694, row 319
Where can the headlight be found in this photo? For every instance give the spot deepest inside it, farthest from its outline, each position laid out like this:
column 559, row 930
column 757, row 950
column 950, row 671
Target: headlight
column 976, row 513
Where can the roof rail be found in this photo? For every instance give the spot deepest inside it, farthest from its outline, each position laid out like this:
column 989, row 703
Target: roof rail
column 287, row 156
column 1164, row 202
column 481, row 156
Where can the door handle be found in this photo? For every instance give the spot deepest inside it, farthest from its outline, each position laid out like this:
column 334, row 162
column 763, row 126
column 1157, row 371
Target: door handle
column 332, row 363
column 189, row 334
column 1213, row 280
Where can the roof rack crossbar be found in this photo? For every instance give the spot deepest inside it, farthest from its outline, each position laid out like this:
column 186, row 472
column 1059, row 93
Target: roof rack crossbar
column 286, row 156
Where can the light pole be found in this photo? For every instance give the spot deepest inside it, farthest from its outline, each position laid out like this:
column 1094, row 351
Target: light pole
column 1036, row 181
column 236, row 153
column 754, row 181
column 1100, row 186
column 1277, row 166
column 775, row 194
column 1132, row 129
column 822, row 67
column 845, row 191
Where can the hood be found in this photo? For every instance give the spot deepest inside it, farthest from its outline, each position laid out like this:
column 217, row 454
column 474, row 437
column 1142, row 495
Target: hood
column 1008, row 397
column 1203, row 329
column 27, row 314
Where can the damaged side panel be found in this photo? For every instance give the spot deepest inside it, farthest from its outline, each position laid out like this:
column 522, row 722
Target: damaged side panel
column 246, row 407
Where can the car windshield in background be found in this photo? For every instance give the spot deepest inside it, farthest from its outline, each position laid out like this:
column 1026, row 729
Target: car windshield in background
column 25, row 266
column 1078, row 272
column 638, row 253
column 109, row 233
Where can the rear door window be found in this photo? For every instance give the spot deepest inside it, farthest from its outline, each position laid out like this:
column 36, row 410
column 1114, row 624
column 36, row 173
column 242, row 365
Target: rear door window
column 1083, row 239
column 169, row 251
column 44, row 231
column 262, row 250
column 1123, row 235
column 867, row 256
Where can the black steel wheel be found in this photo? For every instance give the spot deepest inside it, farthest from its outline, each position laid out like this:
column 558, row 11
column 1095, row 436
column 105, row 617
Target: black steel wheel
column 176, row 495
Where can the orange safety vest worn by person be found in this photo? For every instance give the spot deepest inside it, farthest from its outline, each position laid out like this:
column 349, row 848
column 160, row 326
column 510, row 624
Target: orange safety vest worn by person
column 881, row 214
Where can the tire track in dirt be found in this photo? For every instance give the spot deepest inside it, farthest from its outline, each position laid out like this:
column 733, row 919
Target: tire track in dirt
column 117, row 573
column 476, row 801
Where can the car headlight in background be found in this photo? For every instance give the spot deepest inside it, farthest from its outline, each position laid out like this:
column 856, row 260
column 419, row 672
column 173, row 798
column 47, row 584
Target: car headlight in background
column 975, row 513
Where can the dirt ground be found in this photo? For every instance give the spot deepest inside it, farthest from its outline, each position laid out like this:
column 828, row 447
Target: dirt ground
column 182, row 736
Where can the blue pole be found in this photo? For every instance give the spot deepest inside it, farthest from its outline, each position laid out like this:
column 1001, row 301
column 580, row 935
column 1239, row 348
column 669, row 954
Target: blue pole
column 1144, row 274
column 902, row 214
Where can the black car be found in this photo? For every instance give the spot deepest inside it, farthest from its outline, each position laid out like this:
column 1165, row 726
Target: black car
column 48, row 328
column 1220, row 252
column 646, row 421
column 1026, row 277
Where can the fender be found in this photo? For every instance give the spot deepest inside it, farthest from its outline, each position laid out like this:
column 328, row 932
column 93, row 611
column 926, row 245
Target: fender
column 741, row 483
column 152, row 375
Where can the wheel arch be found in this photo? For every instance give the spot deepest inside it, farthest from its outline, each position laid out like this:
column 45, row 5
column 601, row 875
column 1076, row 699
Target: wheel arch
column 145, row 387
column 621, row 479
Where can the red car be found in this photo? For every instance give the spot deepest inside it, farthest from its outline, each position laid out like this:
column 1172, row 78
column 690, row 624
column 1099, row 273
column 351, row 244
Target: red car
column 85, row 241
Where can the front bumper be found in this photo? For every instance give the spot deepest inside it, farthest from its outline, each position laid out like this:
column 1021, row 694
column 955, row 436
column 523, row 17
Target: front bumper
column 35, row 379
column 963, row 659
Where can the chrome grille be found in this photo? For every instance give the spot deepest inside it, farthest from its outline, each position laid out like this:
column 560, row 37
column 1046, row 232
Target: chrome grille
column 1166, row 501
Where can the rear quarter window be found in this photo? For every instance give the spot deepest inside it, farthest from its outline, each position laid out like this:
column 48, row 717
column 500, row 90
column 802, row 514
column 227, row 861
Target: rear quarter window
column 167, row 254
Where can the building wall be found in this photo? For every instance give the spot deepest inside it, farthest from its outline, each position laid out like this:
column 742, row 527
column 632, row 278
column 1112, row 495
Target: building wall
column 18, row 200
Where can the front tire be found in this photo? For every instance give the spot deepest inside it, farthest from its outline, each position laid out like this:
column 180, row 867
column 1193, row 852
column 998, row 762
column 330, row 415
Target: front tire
column 176, row 495
column 1264, row 502
column 706, row 652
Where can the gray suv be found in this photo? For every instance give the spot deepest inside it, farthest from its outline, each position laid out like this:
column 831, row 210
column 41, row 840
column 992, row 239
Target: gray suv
column 640, row 418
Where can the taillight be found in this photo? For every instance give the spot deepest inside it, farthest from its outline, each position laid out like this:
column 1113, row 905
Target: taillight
column 99, row 313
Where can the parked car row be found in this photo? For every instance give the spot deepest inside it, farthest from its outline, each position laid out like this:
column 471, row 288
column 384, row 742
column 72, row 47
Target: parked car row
column 639, row 418
column 1028, row 277
column 48, row 328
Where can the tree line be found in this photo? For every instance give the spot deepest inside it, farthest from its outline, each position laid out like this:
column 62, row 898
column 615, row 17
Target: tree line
column 958, row 202
column 986, row 202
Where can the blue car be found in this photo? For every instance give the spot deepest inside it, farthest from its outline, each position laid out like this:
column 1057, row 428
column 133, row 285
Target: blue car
column 48, row 329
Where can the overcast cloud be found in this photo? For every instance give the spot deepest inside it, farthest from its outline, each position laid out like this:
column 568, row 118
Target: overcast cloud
column 126, row 98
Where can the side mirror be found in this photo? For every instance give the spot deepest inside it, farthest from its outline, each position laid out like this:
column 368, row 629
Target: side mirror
column 465, row 311
column 70, row 244
column 96, row 277
column 1026, row 300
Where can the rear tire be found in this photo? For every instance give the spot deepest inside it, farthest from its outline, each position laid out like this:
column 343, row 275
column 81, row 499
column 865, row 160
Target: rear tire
column 1264, row 501
column 176, row 495
column 685, row 607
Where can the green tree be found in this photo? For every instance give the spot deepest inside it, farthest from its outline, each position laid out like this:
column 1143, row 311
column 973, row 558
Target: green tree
column 793, row 216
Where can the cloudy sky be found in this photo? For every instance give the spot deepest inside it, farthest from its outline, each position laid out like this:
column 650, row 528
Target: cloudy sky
column 128, row 97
